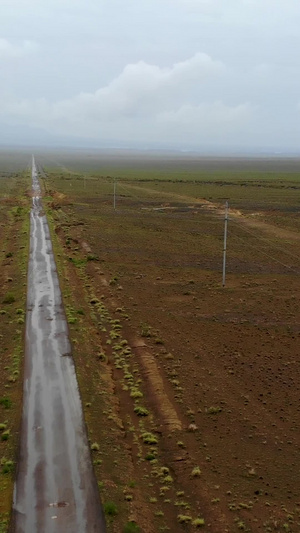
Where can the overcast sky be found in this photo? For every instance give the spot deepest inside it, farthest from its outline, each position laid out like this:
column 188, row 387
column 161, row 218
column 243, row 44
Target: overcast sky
column 190, row 74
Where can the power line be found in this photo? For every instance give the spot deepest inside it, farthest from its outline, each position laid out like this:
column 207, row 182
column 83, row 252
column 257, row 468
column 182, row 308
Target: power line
column 266, row 254
column 242, row 227
column 272, row 245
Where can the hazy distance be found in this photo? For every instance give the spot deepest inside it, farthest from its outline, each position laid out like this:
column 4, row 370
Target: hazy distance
column 205, row 76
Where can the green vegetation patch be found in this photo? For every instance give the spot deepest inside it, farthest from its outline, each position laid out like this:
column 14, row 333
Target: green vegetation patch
column 6, row 402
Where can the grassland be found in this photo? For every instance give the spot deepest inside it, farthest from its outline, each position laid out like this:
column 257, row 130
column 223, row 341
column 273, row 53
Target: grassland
column 14, row 226
column 12, row 160
column 190, row 390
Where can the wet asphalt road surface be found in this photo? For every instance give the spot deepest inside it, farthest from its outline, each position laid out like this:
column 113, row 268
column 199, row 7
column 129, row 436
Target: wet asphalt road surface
column 55, row 490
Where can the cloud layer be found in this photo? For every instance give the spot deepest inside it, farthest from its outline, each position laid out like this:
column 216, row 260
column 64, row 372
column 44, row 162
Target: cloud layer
column 143, row 98
column 14, row 50
column 199, row 72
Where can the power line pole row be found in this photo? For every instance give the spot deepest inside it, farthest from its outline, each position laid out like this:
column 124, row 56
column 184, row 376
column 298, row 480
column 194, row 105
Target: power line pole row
column 225, row 232
column 225, row 244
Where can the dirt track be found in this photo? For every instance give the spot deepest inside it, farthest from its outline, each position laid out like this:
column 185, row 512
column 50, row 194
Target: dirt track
column 55, row 488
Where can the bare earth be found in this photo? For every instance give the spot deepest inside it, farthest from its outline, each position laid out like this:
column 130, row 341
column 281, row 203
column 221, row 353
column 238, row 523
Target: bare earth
column 225, row 361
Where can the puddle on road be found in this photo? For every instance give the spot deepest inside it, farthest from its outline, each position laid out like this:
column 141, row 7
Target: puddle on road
column 59, row 504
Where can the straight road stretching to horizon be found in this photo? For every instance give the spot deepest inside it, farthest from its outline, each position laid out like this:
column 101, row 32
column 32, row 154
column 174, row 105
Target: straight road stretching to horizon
column 56, row 490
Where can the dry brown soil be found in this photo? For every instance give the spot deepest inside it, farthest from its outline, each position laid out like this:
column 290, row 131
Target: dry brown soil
column 218, row 367
column 14, row 222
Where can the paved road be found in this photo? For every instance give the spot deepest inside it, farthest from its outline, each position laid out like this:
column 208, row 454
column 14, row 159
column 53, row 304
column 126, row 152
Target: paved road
column 55, row 491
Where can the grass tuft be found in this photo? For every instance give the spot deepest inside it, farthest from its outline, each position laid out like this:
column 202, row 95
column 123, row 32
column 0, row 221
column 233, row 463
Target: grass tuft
column 9, row 298
column 131, row 527
column 110, row 509
column 149, row 438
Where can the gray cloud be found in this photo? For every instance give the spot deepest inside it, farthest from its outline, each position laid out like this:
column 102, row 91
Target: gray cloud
column 127, row 71
column 14, row 50
column 161, row 97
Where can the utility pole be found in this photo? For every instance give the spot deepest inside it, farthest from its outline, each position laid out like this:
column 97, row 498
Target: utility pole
column 225, row 244
column 115, row 187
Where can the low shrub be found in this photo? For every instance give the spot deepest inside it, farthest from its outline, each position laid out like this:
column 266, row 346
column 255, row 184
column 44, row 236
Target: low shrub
column 184, row 519
column 131, row 527
column 6, row 402
column 5, row 435
column 9, row 298
column 149, row 438
column 141, row 411
column 198, row 522
column 196, row 472
column 110, row 509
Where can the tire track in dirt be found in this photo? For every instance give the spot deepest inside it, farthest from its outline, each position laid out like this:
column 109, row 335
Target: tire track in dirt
column 219, row 210
column 154, row 378
column 152, row 374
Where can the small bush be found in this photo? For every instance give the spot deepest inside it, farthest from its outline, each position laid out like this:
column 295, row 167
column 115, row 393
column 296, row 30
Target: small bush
column 17, row 211
column 196, row 472
column 135, row 393
column 164, row 471
column 131, row 527
column 95, row 447
column 198, row 522
column 78, row 262
column 141, row 411
column 145, row 330
column 110, row 509
column 8, row 467
column 5, row 435
column 6, row 402
column 94, row 301
column 184, row 519
column 149, row 438
column 9, row 298
column 214, row 410
column 150, row 457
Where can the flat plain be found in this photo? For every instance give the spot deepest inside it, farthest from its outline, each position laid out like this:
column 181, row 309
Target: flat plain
column 14, row 224
column 190, row 389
